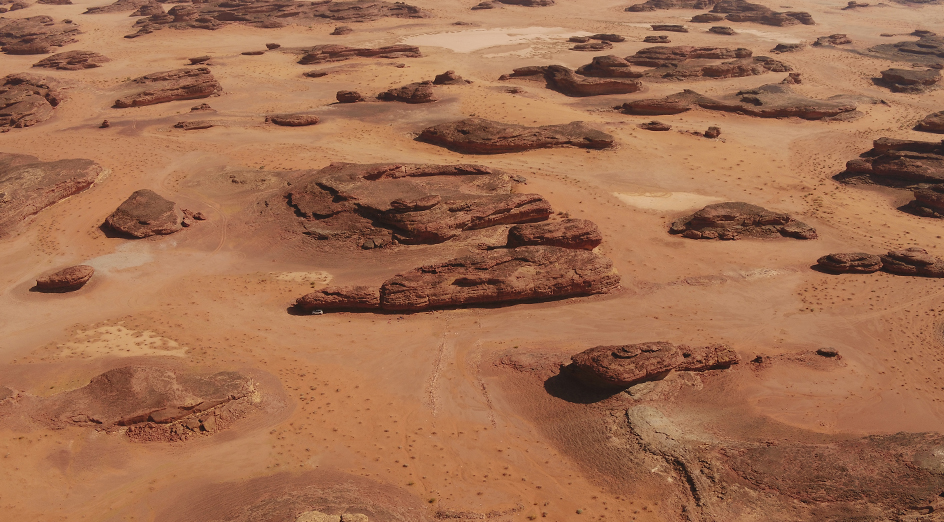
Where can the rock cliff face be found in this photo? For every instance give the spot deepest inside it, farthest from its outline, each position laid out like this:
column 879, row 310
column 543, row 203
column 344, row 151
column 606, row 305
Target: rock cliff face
column 481, row 136
column 738, row 220
column 35, row 34
column 655, row 5
column 28, row 185
column 27, row 99
column 144, row 214
column 178, row 84
column 66, row 280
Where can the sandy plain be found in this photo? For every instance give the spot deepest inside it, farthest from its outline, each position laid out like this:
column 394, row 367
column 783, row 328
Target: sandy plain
column 414, row 407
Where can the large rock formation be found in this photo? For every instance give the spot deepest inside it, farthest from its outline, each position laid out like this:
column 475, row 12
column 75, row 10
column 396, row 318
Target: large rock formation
column 419, row 92
column 654, row 5
column 566, row 81
column 736, row 220
column 144, row 214
column 910, row 80
column 928, row 50
column 65, row 280
column 35, row 34
column 449, row 78
column 340, row 53
column 685, row 62
column 28, row 185
column 166, row 86
column 898, row 163
column 27, row 99
column 340, row 298
column 768, row 101
column 608, row 66
column 928, row 201
column 933, row 122
column 409, row 203
column 271, row 14
column 566, row 233
column 913, row 261
column 481, row 136
column 850, row 263
column 619, row 367
column 744, row 11
column 73, row 61
column 119, row 6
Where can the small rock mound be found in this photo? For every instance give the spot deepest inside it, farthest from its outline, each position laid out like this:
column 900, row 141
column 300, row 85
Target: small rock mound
column 713, row 132
column 566, row 233
column 670, row 28
column 722, row 29
column 735, row 220
column 178, row 84
column 787, row 48
column 933, row 122
column 449, row 78
column 73, row 61
column 910, row 80
column 894, row 162
column 194, row 125
column 928, row 201
column 659, row 39
column 481, row 136
column 420, row 92
column 913, row 261
column 292, row 120
column 144, row 214
column 655, row 126
column 27, row 99
column 342, row 30
column 66, row 280
column 317, row 516
column 348, row 96
column 850, row 263
column 833, row 39
column 619, row 367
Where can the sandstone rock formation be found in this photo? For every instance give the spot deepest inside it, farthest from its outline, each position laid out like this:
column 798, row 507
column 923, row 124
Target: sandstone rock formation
column 339, row 53
column 850, row 263
column 35, row 34
column 317, row 516
column 670, row 28
column 833, row 39
column 118, row 6
column 928, row 201
column 166, row 86
column 767, row 101
column 194, row 125
column 654, row 5
column 592, row 46
column 787, row 48
column 481, row 136
column 73, row 61
column 712, row 132
column 566, row 233
column 910, row 80
column 659, row 39
column 336, row 298
column 662, row 56
column 409, row 203
column 744, row 11
column 913, row 261
column 706, row 18
column 65, row 280
column 898, row 163
column 619, row 367
column 527, row 3
column 608, row 66
column 348, row 96
column 736, row 220
column 28, row 185
column 566, row 81
column 342, row 30
column 153, row 7
column 927, row 50
column 449, row 78
column 27, row 99
column 686, row 62
column 722, row 29
column 655, row 126
column 419, row 92
column 933, row 122
column 272, row 14
column 152, row 403
column 292, row 120
column 144, row 214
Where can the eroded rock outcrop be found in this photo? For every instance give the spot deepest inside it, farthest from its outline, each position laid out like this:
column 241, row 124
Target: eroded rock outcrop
column 35, row 34
column 655, row 5
column 658, row 39
column 119, row 6
column 619, row 367
column 898, row 163
column 449, row 78
column 481, row 136
column 850, row 263
column 928, row 50
column 292, row 120
column 418, row 92
column 744, row 11
column 167, row 86
column 933, row 122
column 565, row 233
column 566, row 81
column 27, row 99
column 66, row 280
column 340, row 53
column 910, row 80
column 73, row 61
column 833, row 39
column 913, row 261
column 338, row 298
column 736, row 220
column 145, row 213
column 28, row 185
column 928, row 201
column 348, row 96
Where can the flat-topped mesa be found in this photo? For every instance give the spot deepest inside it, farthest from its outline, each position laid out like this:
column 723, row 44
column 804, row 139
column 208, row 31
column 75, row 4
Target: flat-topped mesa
column 656, row 5
column 481, row 136
column 850, row 263
column 736, row 220
column 340, row 53
column 910, row 80
column 899, row 163
column 73, row 61
column 408, row 203
column 566, row 81
column 744, row 11
column 145, row 213
column 928, row 49
column 65, row 280
column 619, row 367
column 27, row 99
column 27, row 185
column 167, row 86
column 768, row 101
column 35, row 34
column 418, row 92
column 271, row 14
column 566, row 233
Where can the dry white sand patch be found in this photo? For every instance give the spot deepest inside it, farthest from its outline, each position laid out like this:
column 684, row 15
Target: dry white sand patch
column 312, row 278
column 666, row 200
column 118, row 341
column 127, row 255
column 478, row 39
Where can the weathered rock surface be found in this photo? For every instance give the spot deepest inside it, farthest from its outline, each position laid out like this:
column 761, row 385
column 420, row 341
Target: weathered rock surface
column 35, row 34
column 913, row 261
column 194, row 124
column 744, row 11
column 898, row 163
column 608, row 66
column 706, row 18
column 153, row 7
column 65, row 280
column 334, row 298
column 419, row 92
column 566, row 233
column 928, row 201
column 669, row 28
column 348, row 96
column 850, row 263
column 833, row 39
column 481, row 136
column 167, row 86
column 73, row 61
column 118, row 6
column 527, row 3
column 787, row 48
column 722, row 29
column 655, row 5
column 686, row 62
column 272, row 14
column 712, row 132
column 28, row 185
column 767, row 101
column 501, row 276
column 449, row 78
column 317, row 516
column 659, row 39
column 409, row 203
column 592, row 46
column 566, row 81
column 619, row 367
column 292, row 120
column 910, row 80
column 342, row 30
column 933, row 122
column 655, row 126
column 144, row 214
column 27, row 99
column 736, row 220
column 340, row 53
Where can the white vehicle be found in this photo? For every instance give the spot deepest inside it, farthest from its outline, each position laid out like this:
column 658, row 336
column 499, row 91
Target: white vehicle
column 317, row 312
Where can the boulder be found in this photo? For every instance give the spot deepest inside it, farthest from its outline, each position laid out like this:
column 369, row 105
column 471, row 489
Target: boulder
column 340, row 53
column 27, row 99
column 787, row 48
column 566, row 233
column 199, row 60
column 27, row 185
column 910, row 80
column 253, row 53
column 335, row 298
column 166, row 86
column 342, row 30
column 483, row 5
column 850, row 263
column 292, row 120
column 913, row 261
column 852, row 4
column 619, row 367
column 144, row 214
column 592, row 46
column 420, row 92
column 66, row 280
column 655, row 126
column 449, row 78
column 35, row 34
column 272, row 46
column 203, row 107
column 833, row 39
column 713, row 132
column 660, row 39
column 348, row 96
column 722, row 29
column 73, row 61
column 315, row 74
column 736, row 220
column 933, row 122
column 481, row 136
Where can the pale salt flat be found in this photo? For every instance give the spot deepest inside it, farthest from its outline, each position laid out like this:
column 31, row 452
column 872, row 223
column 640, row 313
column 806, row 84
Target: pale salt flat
column 666, row 200
column 118, row 341
column 763, row 35
column 476, row 39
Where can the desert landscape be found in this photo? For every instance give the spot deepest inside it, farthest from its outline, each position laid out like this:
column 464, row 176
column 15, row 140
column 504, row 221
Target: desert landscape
column 283, row 261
